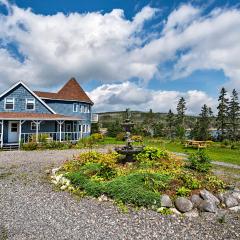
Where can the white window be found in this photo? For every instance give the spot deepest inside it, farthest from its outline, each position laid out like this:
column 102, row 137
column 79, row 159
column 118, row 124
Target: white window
column 34, row 126
column 9, row 103
column 30, row 104
column 81, row 108
column 75, row 107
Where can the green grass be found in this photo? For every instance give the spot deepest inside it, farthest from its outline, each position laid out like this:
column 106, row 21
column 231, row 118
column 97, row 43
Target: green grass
column 216, row 152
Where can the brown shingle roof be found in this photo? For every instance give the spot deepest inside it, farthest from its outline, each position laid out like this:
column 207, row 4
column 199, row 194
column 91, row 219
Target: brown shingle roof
column 34, row 116
column 70, row 91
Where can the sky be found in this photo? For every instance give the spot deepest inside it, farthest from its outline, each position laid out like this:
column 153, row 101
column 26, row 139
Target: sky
column 133, row 53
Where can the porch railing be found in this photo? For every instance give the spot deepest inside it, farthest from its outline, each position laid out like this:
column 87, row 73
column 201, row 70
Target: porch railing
column 50, row 136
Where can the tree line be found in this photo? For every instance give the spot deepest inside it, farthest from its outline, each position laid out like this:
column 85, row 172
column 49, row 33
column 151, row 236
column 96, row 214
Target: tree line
column 226, row 121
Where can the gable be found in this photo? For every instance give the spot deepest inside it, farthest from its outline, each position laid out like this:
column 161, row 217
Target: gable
column 20, row 93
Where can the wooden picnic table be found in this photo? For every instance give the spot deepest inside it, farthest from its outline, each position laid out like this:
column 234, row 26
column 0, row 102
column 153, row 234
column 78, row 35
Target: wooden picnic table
column 196, row 144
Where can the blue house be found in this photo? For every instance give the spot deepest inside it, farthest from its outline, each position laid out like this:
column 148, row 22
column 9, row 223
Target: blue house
column 26, row 115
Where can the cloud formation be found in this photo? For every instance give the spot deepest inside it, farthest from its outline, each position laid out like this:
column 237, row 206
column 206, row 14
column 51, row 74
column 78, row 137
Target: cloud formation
column 114, row 97
column 112, row 49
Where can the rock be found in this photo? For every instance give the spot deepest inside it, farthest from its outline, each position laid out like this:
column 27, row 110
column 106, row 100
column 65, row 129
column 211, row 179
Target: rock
column 175, row 211
column 47, row 171
column 230, row 201
column 166, row 201
column 207, row 206
column 196, row 200
column 235, row 209
column 192, row 214
column 236, row 190
column 206, row 195
column 64, row 187
column 236, row 195
column 103, row 198
column 220, row 196
column 183, row 204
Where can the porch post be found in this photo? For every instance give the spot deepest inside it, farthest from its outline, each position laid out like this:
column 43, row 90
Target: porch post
column 2, row 134
column 37, row 129
column 60, row 129
column 20, row 132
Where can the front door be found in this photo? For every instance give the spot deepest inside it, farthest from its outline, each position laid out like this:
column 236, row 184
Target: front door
column 13, row 131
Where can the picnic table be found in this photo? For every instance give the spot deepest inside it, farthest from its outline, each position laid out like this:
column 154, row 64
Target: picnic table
column 196, row 144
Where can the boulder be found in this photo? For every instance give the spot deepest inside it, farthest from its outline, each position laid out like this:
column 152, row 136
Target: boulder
column 166, row 201
column 208, row 206
column 206, row 195
column 230, row 201
column 196, row 200
column 192, row 214
column 236, row 195
column 235, row 209
column 183, row 204
column 175, row 211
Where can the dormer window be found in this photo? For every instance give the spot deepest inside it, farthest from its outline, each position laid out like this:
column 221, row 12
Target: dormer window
column 9, row 103
column 75, row 107
column 30, row 104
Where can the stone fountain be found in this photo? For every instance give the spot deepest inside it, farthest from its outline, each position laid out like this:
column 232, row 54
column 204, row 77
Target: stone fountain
column 128, row 150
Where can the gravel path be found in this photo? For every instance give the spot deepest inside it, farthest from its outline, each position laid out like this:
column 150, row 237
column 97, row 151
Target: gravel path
column 31, row 209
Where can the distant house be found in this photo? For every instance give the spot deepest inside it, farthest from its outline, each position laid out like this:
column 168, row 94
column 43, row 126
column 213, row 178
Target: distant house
column 62, row 116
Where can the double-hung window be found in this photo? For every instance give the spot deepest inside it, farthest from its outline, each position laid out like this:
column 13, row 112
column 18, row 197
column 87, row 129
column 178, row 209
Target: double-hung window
column 9, row 103
column 75, row 107
column 30, row 104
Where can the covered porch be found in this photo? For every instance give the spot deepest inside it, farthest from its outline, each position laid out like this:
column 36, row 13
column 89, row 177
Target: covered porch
column 19, row 129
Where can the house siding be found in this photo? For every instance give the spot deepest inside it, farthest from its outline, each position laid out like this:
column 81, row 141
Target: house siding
column 66, row 108
column 20, row 94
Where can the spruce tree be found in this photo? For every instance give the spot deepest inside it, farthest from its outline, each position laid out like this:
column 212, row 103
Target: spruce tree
column 204, row 123
column 222, row 116
column 234, row 115
column 180, row 121
column 170, row 123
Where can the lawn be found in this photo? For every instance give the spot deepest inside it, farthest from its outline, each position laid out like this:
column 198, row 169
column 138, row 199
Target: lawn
column 216, row 152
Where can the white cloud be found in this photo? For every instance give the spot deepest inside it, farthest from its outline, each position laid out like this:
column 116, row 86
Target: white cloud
column 117, row 97
column 110, row 48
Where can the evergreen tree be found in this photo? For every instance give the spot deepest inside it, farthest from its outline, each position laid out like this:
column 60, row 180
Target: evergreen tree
column 204, row 123
column 222, row 116
column 180, row 121
column 170, row 123
column 234, row 115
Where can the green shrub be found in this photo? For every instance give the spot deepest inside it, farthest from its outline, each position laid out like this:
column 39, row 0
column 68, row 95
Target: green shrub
column 190, row 181
column 153, row 154
column 121, row 136
column 134, row 190
column 200, row 161
column 139, row 189
column 183, row 192
column 29, row 146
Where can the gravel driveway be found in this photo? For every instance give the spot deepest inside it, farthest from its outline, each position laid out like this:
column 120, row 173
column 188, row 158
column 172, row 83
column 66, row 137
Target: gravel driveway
column 31, row 209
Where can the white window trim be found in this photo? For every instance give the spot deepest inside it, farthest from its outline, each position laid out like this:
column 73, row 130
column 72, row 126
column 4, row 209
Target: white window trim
column 75, row 104
column 5, row 102
column 34, row 104
column 81, row 108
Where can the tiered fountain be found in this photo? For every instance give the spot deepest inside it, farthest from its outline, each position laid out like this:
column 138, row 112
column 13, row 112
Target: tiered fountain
column 128, row 150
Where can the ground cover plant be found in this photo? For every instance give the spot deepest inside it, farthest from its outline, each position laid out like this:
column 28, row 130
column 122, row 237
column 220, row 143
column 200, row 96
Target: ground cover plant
column 141, row 183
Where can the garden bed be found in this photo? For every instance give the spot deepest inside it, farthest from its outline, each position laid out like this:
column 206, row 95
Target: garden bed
column 156, row 180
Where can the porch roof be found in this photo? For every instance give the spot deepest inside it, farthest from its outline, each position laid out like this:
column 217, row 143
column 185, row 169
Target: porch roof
column 35, row 116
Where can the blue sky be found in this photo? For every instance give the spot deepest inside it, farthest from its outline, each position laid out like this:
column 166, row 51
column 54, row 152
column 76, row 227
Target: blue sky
column 142, row 54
